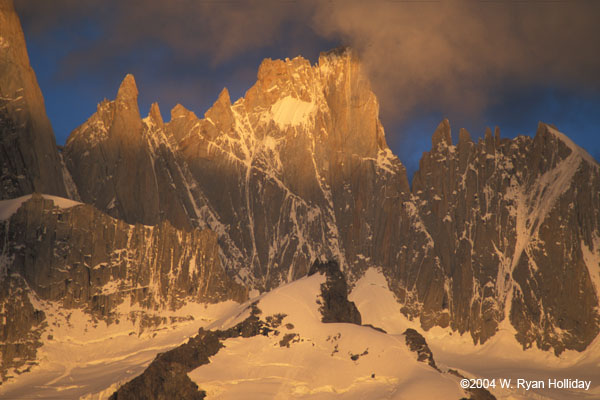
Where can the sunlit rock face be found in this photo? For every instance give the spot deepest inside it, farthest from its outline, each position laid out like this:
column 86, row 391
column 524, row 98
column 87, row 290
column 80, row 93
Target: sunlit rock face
column 125, row 166
column 83, row 259
column 29, row 160
column 298, row 169
column 515, row 228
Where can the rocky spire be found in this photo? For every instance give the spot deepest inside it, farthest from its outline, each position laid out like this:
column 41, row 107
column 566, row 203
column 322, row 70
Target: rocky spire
column 29, row 159
column 155, row 115
column 442, row 134
column 464, row 136
column 128, row 90
column 127, row 121
column 220, row 113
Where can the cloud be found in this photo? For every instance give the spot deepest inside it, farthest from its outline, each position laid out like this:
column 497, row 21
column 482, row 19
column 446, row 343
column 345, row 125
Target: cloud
column 451, row 56
column 455, row 55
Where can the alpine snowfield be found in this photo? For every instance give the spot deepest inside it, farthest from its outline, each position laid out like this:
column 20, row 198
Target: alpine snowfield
column 86, row 358
column 501, row 357
column 311, row 359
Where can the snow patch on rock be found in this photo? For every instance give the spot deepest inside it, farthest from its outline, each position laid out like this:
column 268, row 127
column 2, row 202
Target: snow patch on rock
column 10, row 207
column 290, row 111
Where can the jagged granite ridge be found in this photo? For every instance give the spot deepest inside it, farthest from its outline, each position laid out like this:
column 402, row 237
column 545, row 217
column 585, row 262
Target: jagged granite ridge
column 313, row 147
column 298, row 169
column 506, row 218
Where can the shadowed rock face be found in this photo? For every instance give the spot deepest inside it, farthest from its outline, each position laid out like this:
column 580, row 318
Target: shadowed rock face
column 506, row 218
column 82, row 258
column 71, row 255
column 29, row 160
column 416, row 342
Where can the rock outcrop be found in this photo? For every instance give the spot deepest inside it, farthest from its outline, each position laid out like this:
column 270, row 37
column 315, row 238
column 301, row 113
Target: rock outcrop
column 416, row 343
column 335, row 306
column 166, row 377
column 29, row 158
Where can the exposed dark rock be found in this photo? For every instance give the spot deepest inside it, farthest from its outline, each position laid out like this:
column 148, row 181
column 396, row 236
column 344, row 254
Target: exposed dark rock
column 355, row 357
column 507, row 232
column 21, row 327
column 416, row 342
column 287, row 339
column 376, row 328
column 166, row 377
column 335, row 307
column 274, row 321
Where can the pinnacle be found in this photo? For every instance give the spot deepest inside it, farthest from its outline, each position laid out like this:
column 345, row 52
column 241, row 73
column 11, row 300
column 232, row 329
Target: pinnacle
column 224, row 98
column 128, row 89
column 180, row 111
column 464, row 136
column 442, row 134
column 155, row 114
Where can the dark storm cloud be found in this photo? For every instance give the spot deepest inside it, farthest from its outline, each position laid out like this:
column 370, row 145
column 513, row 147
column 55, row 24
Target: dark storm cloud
column 453, row 56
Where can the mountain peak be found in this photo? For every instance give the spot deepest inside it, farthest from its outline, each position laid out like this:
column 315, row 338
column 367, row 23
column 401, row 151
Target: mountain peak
column 464, row 136
column 220, row 114
column 180, row 111
column 224, row 98
column 275, row 70
column 442, row 134
column 546, row 131
column 29, row 162
column 128, row 89
column 155, row 115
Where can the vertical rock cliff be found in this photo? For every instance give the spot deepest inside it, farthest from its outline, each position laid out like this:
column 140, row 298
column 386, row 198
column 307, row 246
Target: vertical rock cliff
column 29, row 159
column 80, row 258
column 506, row 218
column 289, row 173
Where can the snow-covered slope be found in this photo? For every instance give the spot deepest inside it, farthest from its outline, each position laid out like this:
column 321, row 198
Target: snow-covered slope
column 306, row 358
column 83, row 357
column 500, row 357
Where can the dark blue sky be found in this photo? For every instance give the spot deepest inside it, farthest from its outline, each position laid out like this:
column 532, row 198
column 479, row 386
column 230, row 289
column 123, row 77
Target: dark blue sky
column 500, row 64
